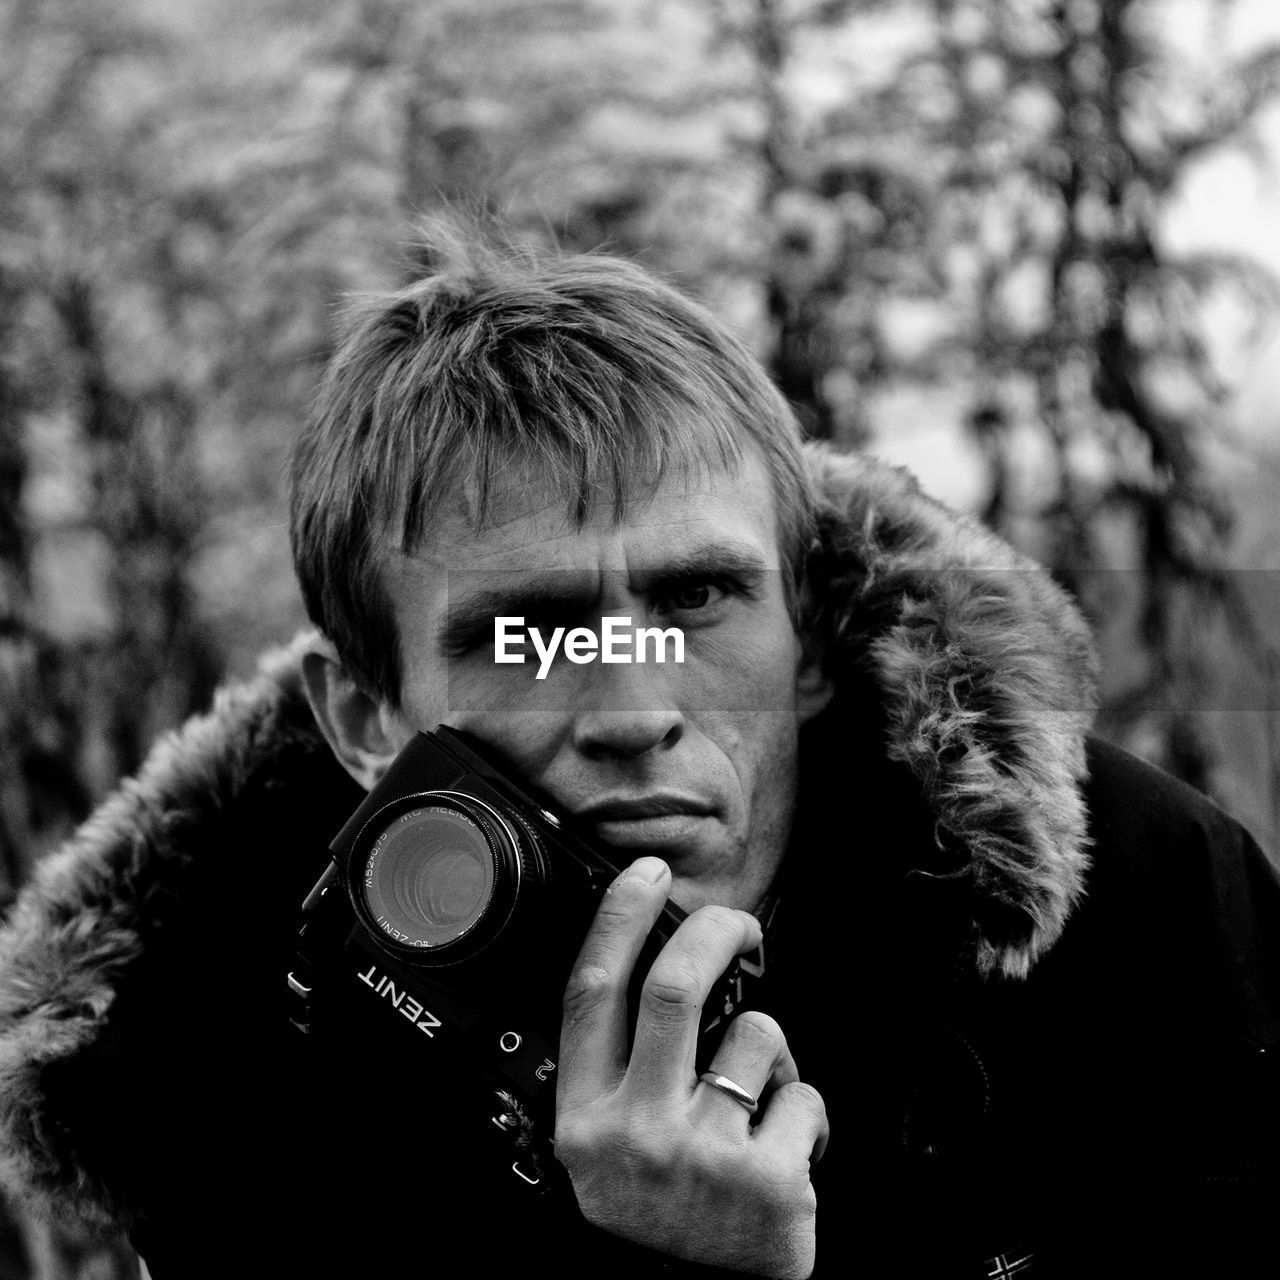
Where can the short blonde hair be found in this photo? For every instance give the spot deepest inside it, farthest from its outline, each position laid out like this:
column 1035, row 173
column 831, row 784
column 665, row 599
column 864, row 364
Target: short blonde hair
column 587, row 364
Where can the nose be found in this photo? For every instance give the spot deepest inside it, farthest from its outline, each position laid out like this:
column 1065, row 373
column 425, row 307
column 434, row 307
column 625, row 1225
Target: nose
column 626, row 714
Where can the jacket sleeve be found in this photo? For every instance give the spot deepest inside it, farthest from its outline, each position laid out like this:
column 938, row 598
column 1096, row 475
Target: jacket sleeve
column 142, row 960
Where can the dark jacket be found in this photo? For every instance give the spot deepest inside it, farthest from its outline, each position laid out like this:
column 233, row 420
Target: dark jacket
column 1034, row 979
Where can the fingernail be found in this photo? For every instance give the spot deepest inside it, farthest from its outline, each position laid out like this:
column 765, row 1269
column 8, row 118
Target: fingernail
column 646, row 870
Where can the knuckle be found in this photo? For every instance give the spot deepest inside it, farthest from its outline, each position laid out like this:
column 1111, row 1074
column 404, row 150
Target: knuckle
column 759, row 1029
column 806, row 1096
column 671, row 991
column 570, row 1141
column 618, row 906
column 589, row 986
column 623, row 1146
column 710, row 1165
column 650, row 1151
column 725, row 921
column 621, row 912
column 617, row 1139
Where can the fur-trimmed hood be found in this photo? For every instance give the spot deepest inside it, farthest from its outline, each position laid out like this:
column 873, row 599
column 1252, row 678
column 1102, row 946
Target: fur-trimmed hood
column 984, row 669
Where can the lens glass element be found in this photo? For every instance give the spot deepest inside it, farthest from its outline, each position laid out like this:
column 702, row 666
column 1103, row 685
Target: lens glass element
column 429, row 876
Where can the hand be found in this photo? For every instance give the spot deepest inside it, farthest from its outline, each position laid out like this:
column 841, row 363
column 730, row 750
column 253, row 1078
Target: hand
column 653, row 1154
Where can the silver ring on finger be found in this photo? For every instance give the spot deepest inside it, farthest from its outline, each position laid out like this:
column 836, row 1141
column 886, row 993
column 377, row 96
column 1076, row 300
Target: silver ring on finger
column 733, row 1089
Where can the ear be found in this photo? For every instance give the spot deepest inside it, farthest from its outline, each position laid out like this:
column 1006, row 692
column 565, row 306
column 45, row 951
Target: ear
column 362, row 730
column 814, row 687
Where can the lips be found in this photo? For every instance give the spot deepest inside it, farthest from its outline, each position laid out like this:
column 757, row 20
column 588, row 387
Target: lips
column 627, row 808
column 658, row 821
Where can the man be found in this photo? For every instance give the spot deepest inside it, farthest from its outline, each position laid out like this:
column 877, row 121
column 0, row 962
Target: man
column 1022, row 988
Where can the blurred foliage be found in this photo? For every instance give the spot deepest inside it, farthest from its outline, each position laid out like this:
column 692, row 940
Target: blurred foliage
column 912, row 207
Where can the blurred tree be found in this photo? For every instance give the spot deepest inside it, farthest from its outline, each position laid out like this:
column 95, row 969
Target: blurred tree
column 977, row 223
column 96, row 315
column 1072, row 124
column 18, row 645
column 820, row 233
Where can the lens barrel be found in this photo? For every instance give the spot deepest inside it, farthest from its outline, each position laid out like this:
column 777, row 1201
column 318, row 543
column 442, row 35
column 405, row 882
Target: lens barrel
column 436, row 876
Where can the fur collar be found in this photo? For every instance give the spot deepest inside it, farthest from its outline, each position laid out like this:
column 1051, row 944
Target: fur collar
column 984, row 668
column 987, row 675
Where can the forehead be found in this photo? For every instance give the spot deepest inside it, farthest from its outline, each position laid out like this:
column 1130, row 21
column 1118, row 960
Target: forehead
column 528, row 523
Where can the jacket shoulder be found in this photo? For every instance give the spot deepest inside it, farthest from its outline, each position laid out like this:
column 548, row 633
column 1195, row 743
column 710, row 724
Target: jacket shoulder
column 1125, row 791
column 1180, row 898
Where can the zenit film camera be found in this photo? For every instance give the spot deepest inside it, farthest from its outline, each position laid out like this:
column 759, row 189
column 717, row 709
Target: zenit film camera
column 447, row 923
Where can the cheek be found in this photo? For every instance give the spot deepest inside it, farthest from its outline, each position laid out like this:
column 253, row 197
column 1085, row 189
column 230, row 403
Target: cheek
column 501, row 712
column 741, row 691
column 750, row 666
column 474, row 687
column 423, row 697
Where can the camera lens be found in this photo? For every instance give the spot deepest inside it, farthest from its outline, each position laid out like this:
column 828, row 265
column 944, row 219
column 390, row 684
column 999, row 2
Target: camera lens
column 429, row 877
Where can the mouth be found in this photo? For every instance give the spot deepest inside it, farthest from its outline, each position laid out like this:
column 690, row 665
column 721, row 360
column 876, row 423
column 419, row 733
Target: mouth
column 630, row 808
column 659, row 821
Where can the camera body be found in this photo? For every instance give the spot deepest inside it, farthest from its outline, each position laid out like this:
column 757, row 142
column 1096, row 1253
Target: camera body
column 445, row 927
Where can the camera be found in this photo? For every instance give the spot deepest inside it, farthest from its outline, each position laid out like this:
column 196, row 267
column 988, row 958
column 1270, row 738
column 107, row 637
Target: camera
column 443, row 931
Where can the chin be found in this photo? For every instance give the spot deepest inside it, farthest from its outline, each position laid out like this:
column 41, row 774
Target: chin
column 692, row 893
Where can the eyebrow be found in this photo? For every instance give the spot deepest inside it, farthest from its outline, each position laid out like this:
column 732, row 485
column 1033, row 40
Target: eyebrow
column 712, row 560
column 474, row 617
column 574, row 590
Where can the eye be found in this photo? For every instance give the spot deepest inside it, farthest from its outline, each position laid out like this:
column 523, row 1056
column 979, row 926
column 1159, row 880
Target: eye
column 694, row 595
column 698, row 599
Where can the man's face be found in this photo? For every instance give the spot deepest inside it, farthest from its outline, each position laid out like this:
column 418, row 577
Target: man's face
column 693, row 762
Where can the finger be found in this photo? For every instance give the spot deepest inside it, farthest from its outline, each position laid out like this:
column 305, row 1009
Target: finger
column 666, row 1036
column 794, row 1123
column 593, row 1033
column 754, row 1055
